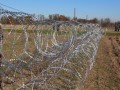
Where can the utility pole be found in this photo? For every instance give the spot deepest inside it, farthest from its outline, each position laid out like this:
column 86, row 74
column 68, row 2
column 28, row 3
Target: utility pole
column 86, row 17
column 74, row 13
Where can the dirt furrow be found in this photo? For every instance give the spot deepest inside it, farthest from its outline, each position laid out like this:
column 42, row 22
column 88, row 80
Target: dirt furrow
column 105, row 74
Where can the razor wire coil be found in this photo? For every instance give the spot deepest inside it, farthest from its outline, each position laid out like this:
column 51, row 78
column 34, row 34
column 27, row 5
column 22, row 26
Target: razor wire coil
column 33, row 59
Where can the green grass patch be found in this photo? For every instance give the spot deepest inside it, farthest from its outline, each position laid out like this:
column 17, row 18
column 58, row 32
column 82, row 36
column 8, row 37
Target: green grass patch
column 42, row 31
column 113, row 33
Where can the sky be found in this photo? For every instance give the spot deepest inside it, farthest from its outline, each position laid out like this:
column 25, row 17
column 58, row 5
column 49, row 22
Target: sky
column 91, row 8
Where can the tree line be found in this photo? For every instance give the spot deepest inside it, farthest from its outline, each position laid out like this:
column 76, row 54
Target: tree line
column 29, row 20
column 16, row 20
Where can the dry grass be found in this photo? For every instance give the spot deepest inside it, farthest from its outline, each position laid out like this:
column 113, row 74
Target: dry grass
column 106, row 72
column 12, row 42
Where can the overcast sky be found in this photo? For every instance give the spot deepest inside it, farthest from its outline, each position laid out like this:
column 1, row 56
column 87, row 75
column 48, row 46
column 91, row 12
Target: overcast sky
column 92, row 8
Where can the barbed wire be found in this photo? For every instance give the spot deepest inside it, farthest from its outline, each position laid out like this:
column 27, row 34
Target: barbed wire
column 36, row 57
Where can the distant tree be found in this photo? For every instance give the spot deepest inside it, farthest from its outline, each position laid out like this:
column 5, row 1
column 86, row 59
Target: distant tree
column 106, row 22
column 40, row 17
column 28, row 19
column 82, row 20
column 55, row 17
column 95, row 20
column 4, row 20
column 50, row 17
column 19, row 20
column 11, row 20
column 7, row 20
column 63, row 18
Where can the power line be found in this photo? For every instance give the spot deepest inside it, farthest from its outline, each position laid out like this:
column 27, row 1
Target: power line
column 18, row 11
column 10, row 7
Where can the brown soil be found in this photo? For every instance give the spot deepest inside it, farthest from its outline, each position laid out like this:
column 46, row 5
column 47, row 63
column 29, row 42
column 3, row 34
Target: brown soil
column 105, row 74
